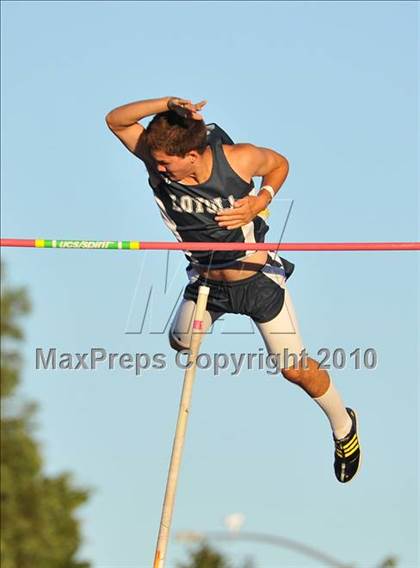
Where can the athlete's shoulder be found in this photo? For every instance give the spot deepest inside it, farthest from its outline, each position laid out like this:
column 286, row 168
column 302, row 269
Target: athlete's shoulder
column 241, row 152
column 241, row 148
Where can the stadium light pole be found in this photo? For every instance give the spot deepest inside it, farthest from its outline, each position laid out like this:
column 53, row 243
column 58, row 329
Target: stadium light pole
column 275, row 540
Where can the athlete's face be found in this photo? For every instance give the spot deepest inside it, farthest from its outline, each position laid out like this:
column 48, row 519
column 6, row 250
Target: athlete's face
column 174, row 167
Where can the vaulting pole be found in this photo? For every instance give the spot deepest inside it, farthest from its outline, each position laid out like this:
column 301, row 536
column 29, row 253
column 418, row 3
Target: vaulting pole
column 151, row 245
column 181, row 427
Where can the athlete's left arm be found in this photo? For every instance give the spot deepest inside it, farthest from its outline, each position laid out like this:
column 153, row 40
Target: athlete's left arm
column 251, row 161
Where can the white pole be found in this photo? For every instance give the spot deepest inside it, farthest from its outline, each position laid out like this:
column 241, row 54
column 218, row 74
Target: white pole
column 181, row 427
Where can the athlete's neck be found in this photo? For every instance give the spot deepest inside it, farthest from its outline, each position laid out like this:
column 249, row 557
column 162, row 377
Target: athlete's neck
column 202, row 169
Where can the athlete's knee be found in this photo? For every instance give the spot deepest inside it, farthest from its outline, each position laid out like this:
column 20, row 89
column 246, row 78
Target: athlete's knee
column 307, row 370
column 292, row 374
column 176, row 341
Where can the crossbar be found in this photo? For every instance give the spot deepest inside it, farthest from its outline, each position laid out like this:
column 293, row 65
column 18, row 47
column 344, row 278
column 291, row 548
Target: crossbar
column 209, row 246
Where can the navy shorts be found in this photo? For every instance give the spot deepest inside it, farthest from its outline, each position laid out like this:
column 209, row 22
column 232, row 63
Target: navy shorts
column 261, row 296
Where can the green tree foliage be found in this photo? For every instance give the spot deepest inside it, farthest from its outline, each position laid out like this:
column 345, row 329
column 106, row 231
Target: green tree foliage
column 206, row 557
column 390, row 562
column 39, row 528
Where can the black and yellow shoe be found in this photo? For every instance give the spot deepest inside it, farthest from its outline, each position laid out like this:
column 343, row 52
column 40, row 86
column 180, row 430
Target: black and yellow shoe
column 347, row 452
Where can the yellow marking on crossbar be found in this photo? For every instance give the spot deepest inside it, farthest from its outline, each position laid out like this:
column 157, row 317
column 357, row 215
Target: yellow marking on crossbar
column 39, row 243
column 134, row 245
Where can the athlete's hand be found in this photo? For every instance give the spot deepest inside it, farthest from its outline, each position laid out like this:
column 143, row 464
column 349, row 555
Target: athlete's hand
column 186, row 108
column 243, row 211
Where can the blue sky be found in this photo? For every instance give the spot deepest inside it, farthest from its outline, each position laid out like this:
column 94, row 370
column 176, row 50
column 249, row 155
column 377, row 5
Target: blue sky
column 332, row 86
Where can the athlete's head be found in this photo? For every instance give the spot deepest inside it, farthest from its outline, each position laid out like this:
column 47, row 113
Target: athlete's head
column 176, row 143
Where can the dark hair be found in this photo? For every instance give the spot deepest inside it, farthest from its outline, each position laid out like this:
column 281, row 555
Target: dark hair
column 176, row 135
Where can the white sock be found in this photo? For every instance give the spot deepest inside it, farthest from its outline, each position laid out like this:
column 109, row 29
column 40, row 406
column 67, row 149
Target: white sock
column 333, row 406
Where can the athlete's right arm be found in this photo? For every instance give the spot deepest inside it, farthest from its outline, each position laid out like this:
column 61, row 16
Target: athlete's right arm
column 123, row 121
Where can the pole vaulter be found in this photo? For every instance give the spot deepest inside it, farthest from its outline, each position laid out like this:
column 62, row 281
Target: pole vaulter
column 202, row 183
